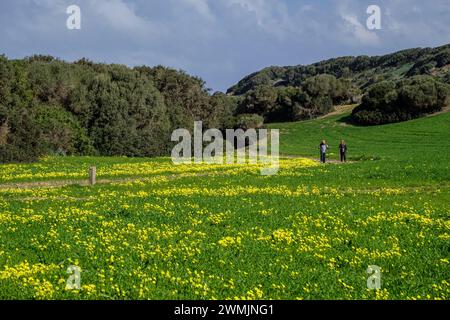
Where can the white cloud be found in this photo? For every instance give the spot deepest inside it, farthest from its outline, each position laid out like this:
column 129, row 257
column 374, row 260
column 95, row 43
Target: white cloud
column 360, row 31
column 418, row 22
column 351, row 30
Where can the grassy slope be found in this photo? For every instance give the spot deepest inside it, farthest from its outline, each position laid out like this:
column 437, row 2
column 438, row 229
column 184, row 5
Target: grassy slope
column 411, row 153
column 425, row 138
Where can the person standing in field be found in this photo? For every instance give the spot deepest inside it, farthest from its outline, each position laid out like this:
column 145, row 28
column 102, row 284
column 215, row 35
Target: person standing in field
column 323, row 151
column 343, row 151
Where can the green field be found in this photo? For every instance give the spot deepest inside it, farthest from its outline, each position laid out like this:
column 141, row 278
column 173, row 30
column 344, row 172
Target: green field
column 152, row 230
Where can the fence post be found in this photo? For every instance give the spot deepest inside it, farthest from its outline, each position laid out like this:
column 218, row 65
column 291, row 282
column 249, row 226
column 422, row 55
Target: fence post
column 92, row 175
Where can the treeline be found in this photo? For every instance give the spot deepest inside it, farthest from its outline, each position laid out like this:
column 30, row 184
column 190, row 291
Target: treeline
column 389, row 102
column 48, row 106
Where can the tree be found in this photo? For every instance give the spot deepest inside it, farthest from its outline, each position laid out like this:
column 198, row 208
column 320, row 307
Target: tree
column 262, row 100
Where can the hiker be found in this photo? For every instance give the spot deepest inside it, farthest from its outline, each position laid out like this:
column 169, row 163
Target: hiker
column 323, row 151
column 343, row 151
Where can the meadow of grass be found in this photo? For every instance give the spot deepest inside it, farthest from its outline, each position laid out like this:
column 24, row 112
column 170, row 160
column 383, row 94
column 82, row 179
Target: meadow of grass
column 152, row 230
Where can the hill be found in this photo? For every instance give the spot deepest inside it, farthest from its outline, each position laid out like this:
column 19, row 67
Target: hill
column 362, row 71
column 391, row 88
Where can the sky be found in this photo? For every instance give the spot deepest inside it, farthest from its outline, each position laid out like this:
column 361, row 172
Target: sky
column 220, row 41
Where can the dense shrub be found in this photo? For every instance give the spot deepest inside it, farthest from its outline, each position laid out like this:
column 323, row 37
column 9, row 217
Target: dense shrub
column 327, row 85
column 262, row 100
column 315, row 97
column 388, row 102
column 66, row 139
column 249, row 121
column 20, row 137
column 447, row 77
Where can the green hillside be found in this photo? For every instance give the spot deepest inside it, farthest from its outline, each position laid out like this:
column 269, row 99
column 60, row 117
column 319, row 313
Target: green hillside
column 361, row 70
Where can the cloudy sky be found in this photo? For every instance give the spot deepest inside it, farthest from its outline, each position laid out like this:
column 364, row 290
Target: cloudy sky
column 219, row 40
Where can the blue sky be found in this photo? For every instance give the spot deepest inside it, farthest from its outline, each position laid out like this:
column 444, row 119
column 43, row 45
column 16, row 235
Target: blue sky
column 218, row 40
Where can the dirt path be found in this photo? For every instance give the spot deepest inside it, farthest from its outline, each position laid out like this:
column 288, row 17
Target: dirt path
column 345, row 108
column 339, row 110
column 59, row 183
column 81, row 183
column 316, row 159
column 85, row 183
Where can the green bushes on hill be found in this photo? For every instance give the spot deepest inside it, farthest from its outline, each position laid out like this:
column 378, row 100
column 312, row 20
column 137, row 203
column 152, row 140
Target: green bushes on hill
column 315, row 97
column 249, row 121
column 388, row 102
column 358, row 70
column 308, row 91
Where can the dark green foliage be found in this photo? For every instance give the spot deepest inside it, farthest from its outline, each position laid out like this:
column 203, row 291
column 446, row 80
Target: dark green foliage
column 388, row 102
column 185, row 96
column 262, row 100
column 447, row 78
column 328, row 86
column 48, row 106
column 19, row 136
column 314, row 98
column 224, row 109
column 60, row 132
column 129, row 116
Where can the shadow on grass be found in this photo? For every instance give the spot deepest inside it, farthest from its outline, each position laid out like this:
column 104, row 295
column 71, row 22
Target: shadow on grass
column 364, row 158
column 348, row 119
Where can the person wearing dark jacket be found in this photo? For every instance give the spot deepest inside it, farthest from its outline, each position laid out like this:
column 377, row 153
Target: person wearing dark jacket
column 343, row 151
column 323, row 151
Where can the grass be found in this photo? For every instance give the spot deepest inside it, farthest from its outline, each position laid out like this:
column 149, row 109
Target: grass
column 424, row 138
column 158, row 231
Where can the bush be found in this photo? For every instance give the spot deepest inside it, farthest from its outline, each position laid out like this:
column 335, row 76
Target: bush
column 61, row 133
column 315, row 97
column 249, row 121
column 20, row 138
column 388, row 102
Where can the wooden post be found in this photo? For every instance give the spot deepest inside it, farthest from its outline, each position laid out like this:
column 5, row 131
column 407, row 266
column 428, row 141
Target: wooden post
column 92, row 175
